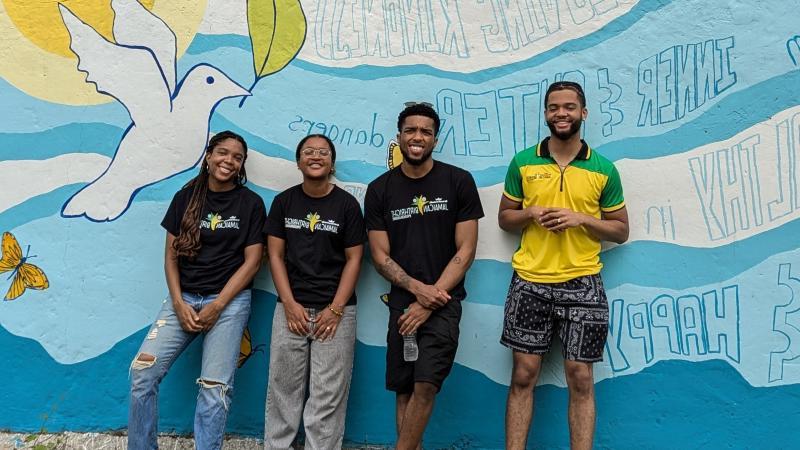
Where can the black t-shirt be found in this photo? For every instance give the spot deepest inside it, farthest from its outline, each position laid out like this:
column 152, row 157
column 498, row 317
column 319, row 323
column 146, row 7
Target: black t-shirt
column 229, row 222
column 317, row 230
column 420, row 217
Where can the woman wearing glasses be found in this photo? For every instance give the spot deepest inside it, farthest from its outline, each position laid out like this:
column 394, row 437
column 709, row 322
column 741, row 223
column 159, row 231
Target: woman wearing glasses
column 316, row 241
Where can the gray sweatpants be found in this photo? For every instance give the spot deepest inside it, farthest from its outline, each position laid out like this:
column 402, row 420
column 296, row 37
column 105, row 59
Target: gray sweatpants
column 329, row 367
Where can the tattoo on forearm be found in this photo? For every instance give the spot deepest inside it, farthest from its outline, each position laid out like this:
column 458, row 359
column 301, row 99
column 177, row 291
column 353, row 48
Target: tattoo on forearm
column 394, row 273
column 457, row 259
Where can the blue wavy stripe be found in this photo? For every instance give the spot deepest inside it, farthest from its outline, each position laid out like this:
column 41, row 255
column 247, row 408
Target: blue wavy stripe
column 103, row 139
column 652, row 264
column 350, row 170
column 669, row 265
column 628, row 406
column 38, row 207
column 730, row 115
column 220, row 122
column 31, row 114
column 99, row 138
column 206, row 43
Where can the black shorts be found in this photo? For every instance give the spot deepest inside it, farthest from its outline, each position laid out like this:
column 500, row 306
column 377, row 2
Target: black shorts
column 577, row 308
column 438, row 341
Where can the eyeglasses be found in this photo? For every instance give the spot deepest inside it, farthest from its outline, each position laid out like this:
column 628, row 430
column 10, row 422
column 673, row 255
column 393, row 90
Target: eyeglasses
column 311, row 151
column 410, row 104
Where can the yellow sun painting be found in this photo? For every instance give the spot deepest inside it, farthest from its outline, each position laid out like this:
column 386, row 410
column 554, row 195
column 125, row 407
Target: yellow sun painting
column 35, row 41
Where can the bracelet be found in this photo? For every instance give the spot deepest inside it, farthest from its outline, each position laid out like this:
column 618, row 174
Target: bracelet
column 333, row 310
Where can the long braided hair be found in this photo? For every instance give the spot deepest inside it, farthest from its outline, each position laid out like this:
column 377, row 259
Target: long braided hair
column 188, row 241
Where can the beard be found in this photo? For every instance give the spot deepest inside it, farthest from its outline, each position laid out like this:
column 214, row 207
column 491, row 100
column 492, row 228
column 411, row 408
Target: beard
column 416, row 162
column 574, row 128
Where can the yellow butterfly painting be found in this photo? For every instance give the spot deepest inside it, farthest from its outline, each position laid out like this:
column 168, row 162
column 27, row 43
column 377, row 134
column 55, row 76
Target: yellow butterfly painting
column 246, row 349
column 25, row 274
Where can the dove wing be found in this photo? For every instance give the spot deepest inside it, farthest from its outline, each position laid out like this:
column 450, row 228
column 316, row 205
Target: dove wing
column 129, row 74
column 134, row 25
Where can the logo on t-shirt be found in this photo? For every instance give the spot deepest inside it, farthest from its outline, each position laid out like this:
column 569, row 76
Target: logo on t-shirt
column 420, row 201
column 313, row 222
column 421, row 206
column 214, row 221
column 538, row 176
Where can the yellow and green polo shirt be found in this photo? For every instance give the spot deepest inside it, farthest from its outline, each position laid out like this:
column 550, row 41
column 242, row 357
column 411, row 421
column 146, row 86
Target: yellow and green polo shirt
column 589, row 184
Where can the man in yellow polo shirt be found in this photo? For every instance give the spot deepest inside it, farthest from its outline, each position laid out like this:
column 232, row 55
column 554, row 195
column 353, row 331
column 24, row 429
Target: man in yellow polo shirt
column 566, row 199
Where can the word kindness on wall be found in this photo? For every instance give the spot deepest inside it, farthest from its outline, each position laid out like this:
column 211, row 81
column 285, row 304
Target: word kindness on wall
column 473, row 34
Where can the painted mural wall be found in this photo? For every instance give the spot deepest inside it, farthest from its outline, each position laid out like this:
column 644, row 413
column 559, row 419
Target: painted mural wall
column 105, row 108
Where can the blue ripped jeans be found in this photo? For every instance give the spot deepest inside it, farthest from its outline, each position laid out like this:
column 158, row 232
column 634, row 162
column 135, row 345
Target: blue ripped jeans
column 165, row 341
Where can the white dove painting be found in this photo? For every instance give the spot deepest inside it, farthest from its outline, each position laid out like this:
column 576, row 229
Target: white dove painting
column 169, row 121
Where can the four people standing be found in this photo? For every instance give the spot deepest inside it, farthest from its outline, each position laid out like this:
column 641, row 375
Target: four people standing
column 422, row 222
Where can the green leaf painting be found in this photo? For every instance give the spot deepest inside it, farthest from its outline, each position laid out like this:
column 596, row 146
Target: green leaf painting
column 277, row 33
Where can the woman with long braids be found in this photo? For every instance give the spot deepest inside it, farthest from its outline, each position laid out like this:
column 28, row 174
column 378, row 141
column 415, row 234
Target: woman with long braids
column 316, row 239
column 213, row 250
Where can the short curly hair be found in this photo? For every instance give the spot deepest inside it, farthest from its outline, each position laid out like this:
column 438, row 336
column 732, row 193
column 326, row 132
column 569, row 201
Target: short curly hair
column 419, row 109
column 568, row 85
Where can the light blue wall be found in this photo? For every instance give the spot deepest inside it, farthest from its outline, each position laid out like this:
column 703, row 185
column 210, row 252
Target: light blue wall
column 695, row 101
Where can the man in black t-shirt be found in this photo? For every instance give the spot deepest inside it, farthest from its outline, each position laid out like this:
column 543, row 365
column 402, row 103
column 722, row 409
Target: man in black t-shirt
column 422, row 219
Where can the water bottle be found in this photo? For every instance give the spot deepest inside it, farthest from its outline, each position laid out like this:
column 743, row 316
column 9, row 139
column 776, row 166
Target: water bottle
column 410, row 347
